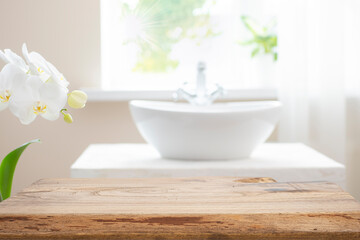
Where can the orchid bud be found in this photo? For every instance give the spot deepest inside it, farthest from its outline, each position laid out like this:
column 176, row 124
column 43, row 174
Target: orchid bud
column 68, row 118
column 77, row 99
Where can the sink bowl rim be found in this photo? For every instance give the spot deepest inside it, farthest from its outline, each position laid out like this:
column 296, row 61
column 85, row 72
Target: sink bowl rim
column 215, row 108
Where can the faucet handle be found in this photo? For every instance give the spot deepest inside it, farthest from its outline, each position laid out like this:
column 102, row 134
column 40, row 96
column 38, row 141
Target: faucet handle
column 220, row 89
column 176, row 96
column 183, row 92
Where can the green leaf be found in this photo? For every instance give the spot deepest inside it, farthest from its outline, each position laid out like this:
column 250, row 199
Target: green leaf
column 255, row 51
column 253, row 26
column 7, row 169
column 263, row 41
column 275, row 57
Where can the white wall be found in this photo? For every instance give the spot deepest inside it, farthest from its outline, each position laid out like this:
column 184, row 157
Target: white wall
column 67, row 33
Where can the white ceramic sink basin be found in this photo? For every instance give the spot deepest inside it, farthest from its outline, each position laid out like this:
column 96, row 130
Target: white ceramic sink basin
column 219, row 131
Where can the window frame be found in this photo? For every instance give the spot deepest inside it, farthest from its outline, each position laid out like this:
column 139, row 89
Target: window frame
column 99, row 95
column 104, row 93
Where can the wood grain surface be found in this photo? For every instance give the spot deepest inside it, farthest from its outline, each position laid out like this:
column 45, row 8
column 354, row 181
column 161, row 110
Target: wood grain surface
column 180, row 208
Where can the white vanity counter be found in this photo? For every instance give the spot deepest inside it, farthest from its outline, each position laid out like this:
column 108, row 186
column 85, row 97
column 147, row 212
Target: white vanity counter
column 281, row 161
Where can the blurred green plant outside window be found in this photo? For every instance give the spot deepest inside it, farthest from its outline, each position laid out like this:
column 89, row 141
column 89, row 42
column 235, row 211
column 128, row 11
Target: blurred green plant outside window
column 158, row 25
column 156, row 44
column 264, row 40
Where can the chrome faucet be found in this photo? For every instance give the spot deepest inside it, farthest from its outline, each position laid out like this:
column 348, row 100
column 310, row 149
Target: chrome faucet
column 201, row 96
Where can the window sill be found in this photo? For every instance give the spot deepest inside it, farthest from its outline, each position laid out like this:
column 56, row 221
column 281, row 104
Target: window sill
column 98, row 95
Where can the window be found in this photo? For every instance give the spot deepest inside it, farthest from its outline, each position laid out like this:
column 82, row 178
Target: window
column 156, row 44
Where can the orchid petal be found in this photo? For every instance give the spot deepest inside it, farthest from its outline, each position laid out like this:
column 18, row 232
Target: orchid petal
column 25, row 96
column 23, row 108
column 54, row 95
column 56, row 75
column 27, row 89
column 25, row 53
column 3, row 81
column 16, row 59
column 3, row 57
column 50, row 115
column 24, row 112
column 39, row 61
column 10, row 73
column 3, row 105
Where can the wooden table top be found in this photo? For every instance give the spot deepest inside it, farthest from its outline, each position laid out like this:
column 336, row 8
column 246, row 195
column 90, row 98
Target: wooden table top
column 180, row 208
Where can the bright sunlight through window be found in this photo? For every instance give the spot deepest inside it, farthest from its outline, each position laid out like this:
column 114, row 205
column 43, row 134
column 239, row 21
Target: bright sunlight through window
column 156, row 44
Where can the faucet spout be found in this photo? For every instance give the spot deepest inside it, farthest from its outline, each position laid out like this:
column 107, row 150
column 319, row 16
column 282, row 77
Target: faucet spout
column 201, row 80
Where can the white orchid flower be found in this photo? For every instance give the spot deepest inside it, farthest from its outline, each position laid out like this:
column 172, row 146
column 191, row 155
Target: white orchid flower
column 10, row 77
column 35, row 87
column 9, row 56
column 35, row 97
column 39, row 66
